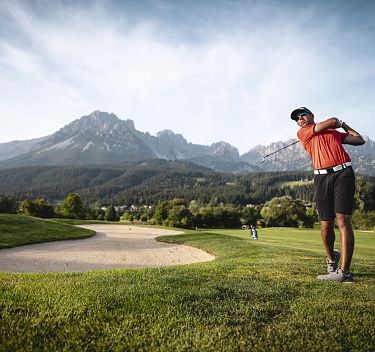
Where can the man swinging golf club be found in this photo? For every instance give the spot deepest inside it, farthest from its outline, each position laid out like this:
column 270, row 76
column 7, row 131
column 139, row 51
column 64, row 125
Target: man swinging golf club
column 334, row 185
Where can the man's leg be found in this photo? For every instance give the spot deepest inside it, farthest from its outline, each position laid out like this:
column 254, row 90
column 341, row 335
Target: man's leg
column 328, row 237
column 346, row 240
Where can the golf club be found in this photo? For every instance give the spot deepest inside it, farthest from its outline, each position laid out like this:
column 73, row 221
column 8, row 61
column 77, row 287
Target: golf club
column 266, row 156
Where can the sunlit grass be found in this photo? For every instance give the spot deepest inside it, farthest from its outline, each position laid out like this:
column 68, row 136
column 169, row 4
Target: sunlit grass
column 256, row 296
column 292, row 184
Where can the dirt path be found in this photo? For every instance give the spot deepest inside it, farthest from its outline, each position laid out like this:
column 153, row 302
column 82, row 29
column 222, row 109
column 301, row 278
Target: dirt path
column 113, row 246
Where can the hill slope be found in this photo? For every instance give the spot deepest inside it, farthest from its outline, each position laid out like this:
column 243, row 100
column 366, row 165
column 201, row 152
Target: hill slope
column 147, row 182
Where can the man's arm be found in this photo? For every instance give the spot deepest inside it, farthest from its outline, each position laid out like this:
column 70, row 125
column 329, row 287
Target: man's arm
column 353, row 138
column 333, row 122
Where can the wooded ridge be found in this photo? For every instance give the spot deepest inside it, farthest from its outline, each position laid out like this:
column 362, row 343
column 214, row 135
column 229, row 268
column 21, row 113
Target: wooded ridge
column 150, row 182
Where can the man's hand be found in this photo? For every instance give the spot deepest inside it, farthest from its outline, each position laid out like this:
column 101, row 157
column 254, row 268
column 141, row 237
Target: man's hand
column 353, row 138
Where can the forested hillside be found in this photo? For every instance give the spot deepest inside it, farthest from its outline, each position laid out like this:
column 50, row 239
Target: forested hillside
column 151, row 182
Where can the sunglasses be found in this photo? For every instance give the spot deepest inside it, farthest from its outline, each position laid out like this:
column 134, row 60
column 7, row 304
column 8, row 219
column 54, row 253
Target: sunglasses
column 302, row 114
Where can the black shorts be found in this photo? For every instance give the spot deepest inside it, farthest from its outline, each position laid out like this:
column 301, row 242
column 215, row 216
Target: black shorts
column 335, row 193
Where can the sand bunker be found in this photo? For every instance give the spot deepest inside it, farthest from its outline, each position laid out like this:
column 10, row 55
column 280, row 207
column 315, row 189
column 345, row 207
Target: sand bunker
column 113, row 246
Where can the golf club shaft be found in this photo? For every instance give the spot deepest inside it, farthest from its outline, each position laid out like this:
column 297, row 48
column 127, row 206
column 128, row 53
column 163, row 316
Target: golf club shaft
column 276, row 151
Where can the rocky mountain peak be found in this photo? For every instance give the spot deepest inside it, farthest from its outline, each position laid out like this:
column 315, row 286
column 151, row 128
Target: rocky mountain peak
column 224, row 149
column 130, row 125
column 168, row 135
column 97, row 122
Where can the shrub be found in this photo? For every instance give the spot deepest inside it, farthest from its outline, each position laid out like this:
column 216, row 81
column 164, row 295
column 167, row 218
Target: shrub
column 283, row 211
column 7, row 205
column 38, row 208
column 179, row 216
column 310, row 218
column 111, row 214
column 363, row 220
column 128, row 216
column 72, row 207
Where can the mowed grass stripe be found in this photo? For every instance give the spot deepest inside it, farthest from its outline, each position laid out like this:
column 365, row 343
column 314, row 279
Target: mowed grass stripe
column 257, row 295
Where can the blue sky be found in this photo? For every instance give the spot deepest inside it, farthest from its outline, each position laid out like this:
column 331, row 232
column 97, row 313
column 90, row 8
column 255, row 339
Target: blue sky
column 210, row 70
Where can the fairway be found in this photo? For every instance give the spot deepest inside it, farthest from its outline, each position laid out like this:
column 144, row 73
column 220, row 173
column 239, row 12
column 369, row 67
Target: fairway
column 255, row 296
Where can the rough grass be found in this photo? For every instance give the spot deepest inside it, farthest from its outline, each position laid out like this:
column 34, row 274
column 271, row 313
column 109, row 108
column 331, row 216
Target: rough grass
column 256, row 296
column 16, row 230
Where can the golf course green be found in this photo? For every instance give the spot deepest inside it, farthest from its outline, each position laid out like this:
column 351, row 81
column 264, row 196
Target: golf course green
column 255, row 296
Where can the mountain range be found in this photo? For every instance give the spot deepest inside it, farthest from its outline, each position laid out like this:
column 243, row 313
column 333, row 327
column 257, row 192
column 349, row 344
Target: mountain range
column 103, row 138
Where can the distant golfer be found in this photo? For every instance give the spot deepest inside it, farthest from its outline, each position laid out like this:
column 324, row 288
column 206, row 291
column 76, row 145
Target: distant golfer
column 334, row 185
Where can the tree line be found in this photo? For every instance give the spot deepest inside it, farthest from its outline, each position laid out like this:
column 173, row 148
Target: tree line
column 147, row 185
column 159, row 180
column 279, row 211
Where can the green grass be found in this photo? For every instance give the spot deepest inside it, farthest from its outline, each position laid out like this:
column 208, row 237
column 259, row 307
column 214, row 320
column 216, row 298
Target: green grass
column 16, row 230
column 256, row 296
column 292, row 184
column 78, row 221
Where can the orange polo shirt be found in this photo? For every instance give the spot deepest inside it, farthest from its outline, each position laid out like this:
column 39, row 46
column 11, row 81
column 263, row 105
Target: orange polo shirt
column 325, row 148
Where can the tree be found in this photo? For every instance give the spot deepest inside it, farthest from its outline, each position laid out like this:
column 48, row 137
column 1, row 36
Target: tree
column 111, row 214
column 310, row 217
column 99, row 214
column 250, row 215
column 128, row 216
column 219, row 216
column 38, row 208
column 72, row 207
column 7, row 205
column 363, row 220
column 161, row 212
column 194, row 208
column 359, row 193
column 207, row 216
column 179, row 216
column 227, row 216
column 283, row 211
column 365, row 194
